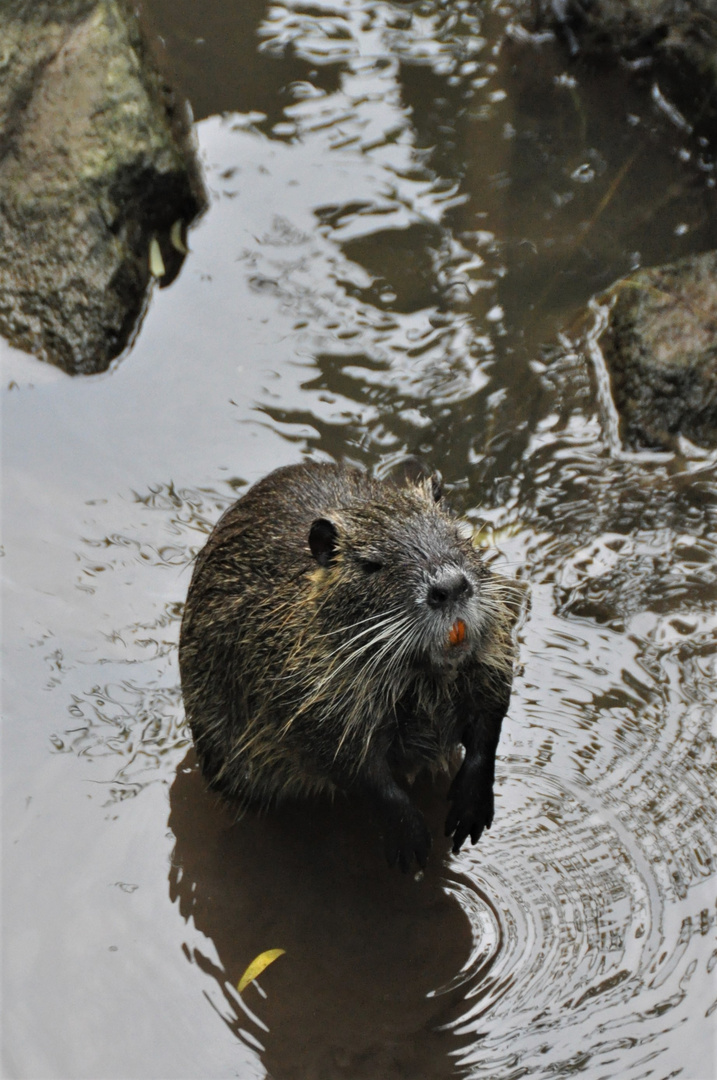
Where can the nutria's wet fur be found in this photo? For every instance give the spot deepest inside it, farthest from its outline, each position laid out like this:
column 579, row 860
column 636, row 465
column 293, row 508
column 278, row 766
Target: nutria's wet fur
column 341, row 632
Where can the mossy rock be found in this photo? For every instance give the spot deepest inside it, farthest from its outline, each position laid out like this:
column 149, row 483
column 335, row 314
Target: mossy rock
column 96, row 158
column 660, row 347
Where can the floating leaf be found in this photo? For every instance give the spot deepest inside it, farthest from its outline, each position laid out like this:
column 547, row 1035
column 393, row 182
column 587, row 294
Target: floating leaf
column 156, row 262
column 258, row 964
column 175, row 235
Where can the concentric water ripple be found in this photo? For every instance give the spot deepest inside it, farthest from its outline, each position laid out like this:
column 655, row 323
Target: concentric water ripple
column 589, row 900
column 576, row 946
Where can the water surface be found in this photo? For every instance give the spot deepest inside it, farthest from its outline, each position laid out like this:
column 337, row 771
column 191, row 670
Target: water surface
column 412, row 205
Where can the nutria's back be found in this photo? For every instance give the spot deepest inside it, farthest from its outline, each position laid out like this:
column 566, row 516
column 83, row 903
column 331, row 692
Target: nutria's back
column 339, row 632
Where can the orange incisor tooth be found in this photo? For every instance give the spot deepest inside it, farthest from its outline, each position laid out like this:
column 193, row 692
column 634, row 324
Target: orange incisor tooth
column 457, row 633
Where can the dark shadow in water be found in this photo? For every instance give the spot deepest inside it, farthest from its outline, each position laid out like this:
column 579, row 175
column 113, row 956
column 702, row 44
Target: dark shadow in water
column 365, row 946
column 211, row 51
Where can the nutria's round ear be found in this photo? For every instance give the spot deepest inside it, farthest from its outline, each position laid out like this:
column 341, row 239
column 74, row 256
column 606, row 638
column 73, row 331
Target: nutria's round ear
column 323, row 536
column 414, row 472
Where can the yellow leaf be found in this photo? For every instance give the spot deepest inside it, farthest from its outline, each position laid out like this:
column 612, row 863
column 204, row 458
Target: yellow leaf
column 175, row 236
column 156, row 262
column 258, row 964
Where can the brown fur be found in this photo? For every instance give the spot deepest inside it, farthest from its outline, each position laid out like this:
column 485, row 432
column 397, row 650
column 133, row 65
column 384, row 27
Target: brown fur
column 319, row 658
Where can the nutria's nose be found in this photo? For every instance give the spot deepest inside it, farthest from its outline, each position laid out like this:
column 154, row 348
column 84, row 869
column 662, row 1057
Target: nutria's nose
column 450, row 586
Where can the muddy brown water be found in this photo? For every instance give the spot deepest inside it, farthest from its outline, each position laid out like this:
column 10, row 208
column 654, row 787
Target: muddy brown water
column 411, row 207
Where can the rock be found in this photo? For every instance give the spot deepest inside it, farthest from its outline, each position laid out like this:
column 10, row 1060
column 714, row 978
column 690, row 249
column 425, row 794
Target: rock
column 674, row 40
column 660, row 347
column 96, row 159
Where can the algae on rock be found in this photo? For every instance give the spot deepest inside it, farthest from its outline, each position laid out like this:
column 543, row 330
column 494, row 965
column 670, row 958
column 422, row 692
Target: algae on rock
column 96, row 158
column 660, row 347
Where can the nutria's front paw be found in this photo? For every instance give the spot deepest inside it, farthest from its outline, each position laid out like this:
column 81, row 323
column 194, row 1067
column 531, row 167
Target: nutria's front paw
column 471, row 812
column 406, row 837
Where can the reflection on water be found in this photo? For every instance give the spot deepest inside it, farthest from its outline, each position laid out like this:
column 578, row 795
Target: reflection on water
column 412, row 204
column 362, row 990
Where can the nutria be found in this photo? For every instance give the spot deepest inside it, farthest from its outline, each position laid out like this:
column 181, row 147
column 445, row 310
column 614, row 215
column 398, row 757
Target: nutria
column 342, row 633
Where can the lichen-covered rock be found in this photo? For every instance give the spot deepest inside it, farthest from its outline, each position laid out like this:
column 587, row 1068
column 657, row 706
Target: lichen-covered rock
column 96, row 159
column 660, row 347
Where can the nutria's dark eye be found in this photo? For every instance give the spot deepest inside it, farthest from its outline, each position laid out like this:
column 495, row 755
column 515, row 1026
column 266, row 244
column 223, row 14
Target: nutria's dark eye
column 323, row 537
column 370, row 566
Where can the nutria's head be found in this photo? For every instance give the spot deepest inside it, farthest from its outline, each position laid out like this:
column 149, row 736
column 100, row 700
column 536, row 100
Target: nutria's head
column 399, row 585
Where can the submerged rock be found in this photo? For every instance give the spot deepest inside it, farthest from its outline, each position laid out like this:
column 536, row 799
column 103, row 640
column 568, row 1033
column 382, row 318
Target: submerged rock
column 674, row 41
column 96, row 160
column 634, row 27
column 660, row 347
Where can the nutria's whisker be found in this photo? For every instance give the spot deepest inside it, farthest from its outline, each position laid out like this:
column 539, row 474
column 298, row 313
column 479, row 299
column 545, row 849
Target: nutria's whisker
column 385, row 635
column 290, row 672
column 350, row 626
